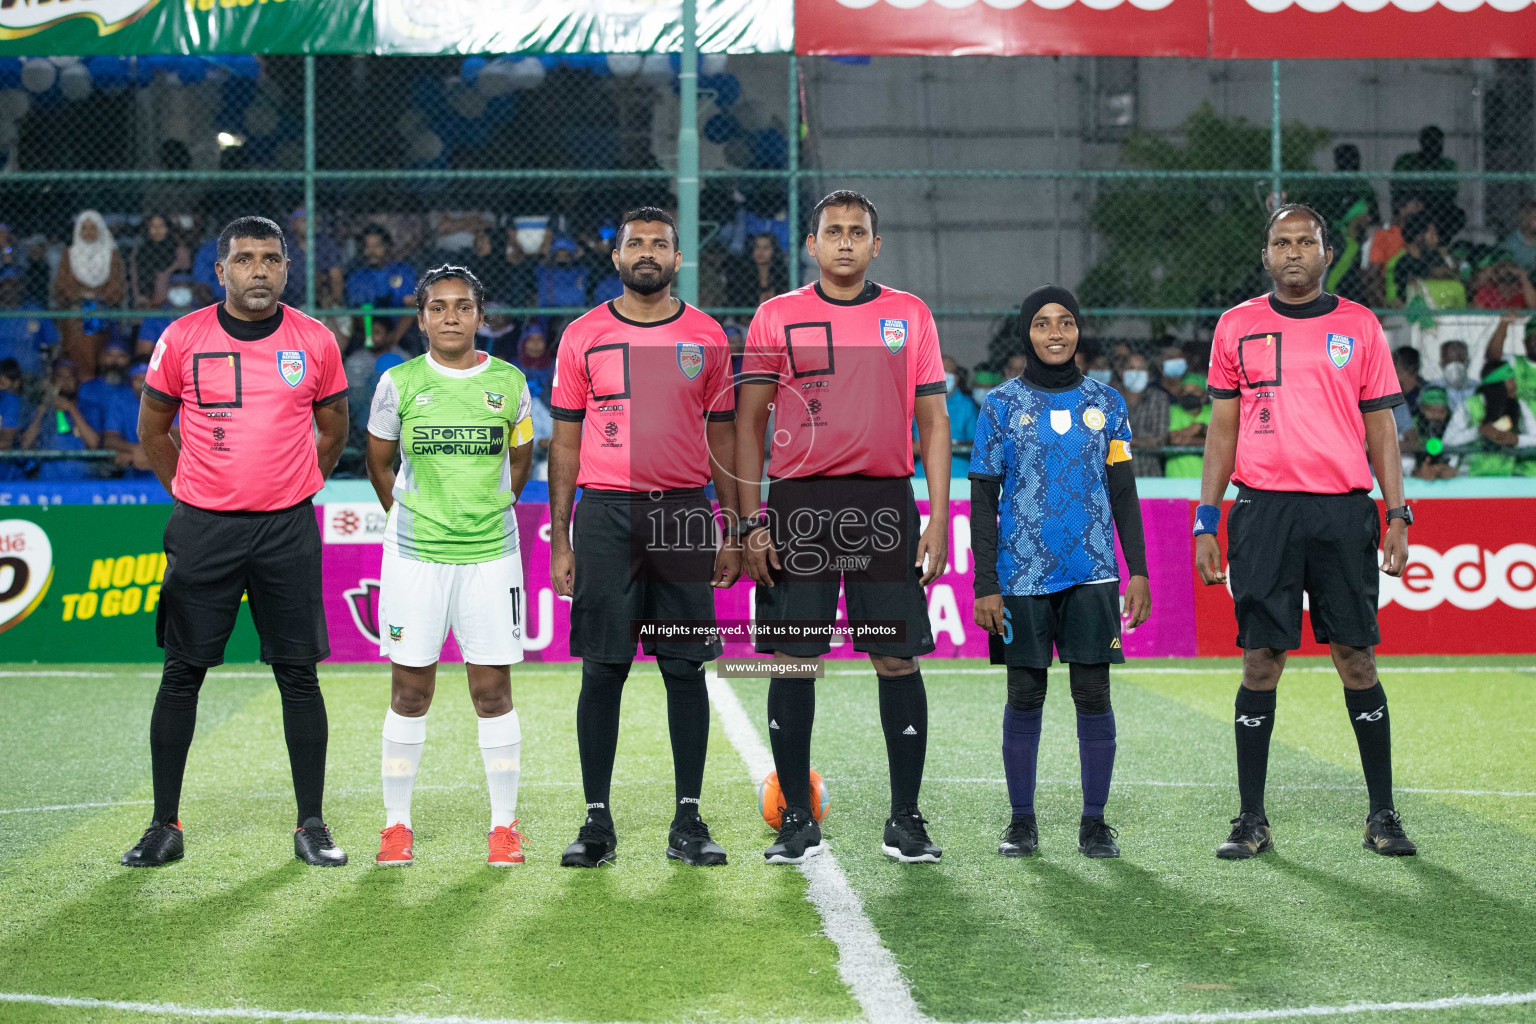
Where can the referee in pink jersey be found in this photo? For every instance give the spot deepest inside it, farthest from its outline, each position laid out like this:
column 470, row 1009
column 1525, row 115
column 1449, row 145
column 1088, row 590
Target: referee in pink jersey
column 252, row 380
column 1303, row 391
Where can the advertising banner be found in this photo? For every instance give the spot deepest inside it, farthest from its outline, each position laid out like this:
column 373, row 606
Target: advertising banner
column 1470, row 586
column 579, row 26
column 1372, row 28
column 142, row 27
column 944, row 28
column 353, row 533
column 82, row 582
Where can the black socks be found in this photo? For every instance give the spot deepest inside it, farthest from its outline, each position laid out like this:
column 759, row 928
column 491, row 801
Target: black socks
column 597, row 731
column 307, row 731
column 1373, row 734
column 904, row 718
column 688, row 723
column 171, row 725
column 791, row 713
column 1254, row 723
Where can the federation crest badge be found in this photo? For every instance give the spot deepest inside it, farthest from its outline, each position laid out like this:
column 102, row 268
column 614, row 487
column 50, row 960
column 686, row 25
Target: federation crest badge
column 1340, row 348
column 396, row 633
column 690, row 359
column 1061, row 420
column 894, row 334
column 290, row 363
column 495, row 402
column 1093, row 419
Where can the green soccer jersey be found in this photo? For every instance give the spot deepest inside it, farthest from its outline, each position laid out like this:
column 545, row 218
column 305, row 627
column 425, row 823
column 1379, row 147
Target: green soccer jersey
column 456, row 428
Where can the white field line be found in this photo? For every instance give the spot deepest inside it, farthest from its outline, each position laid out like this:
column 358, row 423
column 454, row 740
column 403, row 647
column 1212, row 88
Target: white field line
column 863, row 962
column 179, row 1010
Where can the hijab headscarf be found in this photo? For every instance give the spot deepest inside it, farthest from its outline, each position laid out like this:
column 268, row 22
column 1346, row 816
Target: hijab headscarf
column 91, row 262
column 1036, row 370
column 152, row 257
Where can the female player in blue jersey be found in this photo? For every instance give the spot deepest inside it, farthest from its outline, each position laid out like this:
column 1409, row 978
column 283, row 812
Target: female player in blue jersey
column 1056, row 445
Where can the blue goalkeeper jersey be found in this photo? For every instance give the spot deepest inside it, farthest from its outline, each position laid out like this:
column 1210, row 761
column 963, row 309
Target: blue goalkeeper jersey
column 1051, row 450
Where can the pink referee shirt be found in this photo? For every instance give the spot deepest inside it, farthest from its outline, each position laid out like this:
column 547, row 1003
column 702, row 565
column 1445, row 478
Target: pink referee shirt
column 848, row 375
column 247, row 409
column 1305, row 377
column 644, row 392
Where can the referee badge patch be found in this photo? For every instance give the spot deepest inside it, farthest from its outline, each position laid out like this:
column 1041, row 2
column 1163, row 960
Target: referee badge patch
column 690, row 359
column 894, row 334
column 290, row 363
column 1340, row 348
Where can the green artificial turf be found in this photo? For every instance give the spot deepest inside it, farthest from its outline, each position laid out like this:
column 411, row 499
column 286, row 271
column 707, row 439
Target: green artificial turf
column 1167, row 928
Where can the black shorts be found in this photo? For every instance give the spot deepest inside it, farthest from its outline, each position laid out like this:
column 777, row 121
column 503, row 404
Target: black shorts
column 862, row 532
column 213, row 558
column 1281, row 543
column 1082, row 623
column 641, row 558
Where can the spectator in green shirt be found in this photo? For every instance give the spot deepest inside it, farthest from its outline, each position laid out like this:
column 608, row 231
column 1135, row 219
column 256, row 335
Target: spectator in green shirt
column 1187, row 423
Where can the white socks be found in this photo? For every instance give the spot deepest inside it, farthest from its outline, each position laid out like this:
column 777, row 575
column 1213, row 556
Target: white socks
column 501, row 740
column 403, row 740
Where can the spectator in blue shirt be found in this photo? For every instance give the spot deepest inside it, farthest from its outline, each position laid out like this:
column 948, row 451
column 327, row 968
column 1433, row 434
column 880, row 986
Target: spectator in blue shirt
column 329, row 287
column 202, row 268
column 536, row 360
column 23, row 338
column 14, row 415
column 98, row 394
column 58, row 425
column 562, row 280
column 182, row 296
column 962, row 420
column 381, row 282
column 122, row 429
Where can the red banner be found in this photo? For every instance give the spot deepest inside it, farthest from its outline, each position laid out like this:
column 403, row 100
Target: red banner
column 1470, row 585
column 1372, row 28
column 1168, row 28
column 958, row 28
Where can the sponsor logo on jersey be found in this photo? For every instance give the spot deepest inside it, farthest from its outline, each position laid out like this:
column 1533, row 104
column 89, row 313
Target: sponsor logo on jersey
column 26, row 570
column 434, row 440
column 690, row 359
column 425, row 398
column 290, row 363
column 1093, row 419
column 495, row 402
column 157, row 355
column 1061, row 420
column 1340, row 348
column 894, row 334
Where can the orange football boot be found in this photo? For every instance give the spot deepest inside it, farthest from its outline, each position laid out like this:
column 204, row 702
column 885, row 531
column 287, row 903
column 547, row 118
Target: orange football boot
column 395, row 847
column 506, row 844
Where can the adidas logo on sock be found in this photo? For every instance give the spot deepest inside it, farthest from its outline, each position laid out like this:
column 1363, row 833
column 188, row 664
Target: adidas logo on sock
column 773, row 723
column 909, row 731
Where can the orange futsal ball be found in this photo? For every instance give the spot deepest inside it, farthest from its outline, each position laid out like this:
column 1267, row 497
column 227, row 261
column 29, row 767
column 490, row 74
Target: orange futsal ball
column 770, row 799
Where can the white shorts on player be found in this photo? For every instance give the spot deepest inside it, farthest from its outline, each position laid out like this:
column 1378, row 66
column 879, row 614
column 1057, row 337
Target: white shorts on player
column 482, row 602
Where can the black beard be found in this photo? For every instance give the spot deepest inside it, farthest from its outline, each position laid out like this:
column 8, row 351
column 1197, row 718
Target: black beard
column 634, row 283
column 113, row 375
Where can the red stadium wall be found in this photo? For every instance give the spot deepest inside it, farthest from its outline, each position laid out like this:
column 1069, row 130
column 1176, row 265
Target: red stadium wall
column 1470, row 585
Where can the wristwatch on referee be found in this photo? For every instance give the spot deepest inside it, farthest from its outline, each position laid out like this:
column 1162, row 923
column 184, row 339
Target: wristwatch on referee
column 745, row 525
column 1403, row 512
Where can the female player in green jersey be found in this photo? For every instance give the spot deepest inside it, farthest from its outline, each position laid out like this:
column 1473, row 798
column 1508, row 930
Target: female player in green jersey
column 459, row 421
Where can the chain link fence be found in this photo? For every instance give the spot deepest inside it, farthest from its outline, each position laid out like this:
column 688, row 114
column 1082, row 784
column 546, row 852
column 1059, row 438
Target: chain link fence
column 1142, row 183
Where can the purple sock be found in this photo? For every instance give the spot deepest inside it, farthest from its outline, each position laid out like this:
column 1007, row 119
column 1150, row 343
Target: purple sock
column 1021, row 751
column 1096, row 754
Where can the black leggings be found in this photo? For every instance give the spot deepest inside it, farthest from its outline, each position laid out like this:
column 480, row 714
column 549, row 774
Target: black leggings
column 1090, row 688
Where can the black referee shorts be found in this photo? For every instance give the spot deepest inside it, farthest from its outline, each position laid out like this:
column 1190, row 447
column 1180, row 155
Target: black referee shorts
column 213, row 558
column 1283, row 543
column 1081, row 623
column 861, row 532
column 642, row 559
